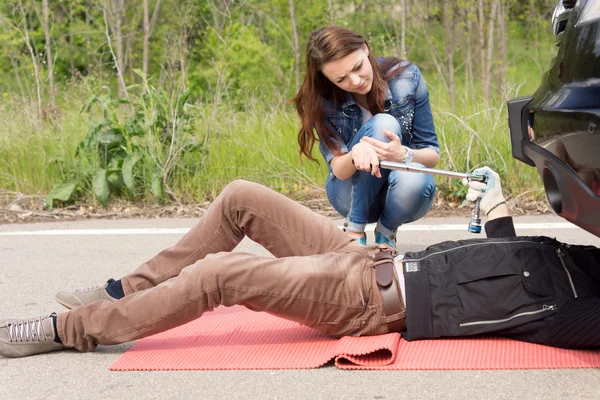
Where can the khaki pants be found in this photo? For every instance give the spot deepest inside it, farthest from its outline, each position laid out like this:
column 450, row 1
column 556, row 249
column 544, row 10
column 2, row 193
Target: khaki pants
column 319, row 276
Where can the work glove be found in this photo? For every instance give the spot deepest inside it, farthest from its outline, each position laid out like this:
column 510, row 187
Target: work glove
column 490, row 191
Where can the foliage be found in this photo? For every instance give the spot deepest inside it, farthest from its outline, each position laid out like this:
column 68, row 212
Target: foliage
column 133, row 155
column 235, row 63
column 222, row 72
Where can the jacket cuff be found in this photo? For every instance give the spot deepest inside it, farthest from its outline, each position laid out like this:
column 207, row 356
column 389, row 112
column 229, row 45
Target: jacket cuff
column 500, row 228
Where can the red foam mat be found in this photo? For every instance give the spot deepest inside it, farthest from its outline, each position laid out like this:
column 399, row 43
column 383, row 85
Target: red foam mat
column 236, row 338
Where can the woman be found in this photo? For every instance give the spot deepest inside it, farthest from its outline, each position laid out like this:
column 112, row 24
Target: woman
column 365, row 110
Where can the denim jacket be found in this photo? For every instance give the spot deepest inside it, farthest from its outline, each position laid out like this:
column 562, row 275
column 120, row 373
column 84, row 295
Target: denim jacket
column 407, row 99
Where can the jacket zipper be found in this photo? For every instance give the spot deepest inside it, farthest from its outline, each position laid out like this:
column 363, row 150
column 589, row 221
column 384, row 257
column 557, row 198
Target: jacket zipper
column 470, row 245
column 545, row 308
column 561, row 257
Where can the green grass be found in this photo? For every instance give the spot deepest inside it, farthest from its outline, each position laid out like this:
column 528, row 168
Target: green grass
column 34, row 154
column 260, row 143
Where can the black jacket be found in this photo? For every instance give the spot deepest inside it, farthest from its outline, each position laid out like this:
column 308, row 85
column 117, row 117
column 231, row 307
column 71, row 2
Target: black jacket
column 535, row 289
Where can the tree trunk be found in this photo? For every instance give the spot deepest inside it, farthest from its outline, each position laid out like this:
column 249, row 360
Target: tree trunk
column 148, row 26
column 421, row 24
column 118, row 7
column 449, row 41
column 117, row 61
column 331, row 12
column 502, row 13
column 487, row 84
column 146, row 38
column 403, row 54
column 88, row 41
column 481, row 37
column 34, row 60
column 469, row 56
column 218, row 10
column 296, row 45
column 49, row 60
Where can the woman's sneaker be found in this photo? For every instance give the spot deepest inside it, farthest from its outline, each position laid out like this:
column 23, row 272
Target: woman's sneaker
column 361, row 240
column 382, row 239
column 26, row 337
column 85, row 296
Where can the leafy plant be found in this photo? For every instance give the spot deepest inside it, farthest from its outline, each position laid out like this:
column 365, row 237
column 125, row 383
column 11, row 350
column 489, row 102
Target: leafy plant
column 134, row 149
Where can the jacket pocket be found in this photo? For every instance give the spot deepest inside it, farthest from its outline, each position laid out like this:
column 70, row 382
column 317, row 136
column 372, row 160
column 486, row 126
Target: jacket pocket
column 517, row 291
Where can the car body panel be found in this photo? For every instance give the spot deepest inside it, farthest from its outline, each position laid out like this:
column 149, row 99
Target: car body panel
column 557, row 129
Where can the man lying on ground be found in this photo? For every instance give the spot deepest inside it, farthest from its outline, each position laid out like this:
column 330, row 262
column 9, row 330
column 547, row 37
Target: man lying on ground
column 534, row 289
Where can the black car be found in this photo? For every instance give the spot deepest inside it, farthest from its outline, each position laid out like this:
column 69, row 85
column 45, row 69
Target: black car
column 557, row 129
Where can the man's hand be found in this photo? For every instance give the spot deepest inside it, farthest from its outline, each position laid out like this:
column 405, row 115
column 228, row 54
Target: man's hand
column 490, row 191
column 391, row 151
column 365, row 158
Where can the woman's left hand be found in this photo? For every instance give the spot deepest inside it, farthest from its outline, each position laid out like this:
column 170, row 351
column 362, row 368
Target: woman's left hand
column 391, row 151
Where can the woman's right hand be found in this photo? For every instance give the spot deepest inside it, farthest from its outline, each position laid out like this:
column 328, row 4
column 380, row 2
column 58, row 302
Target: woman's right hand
column 364, row 158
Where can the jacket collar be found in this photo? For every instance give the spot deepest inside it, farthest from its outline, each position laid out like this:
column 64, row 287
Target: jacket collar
column 349, row 99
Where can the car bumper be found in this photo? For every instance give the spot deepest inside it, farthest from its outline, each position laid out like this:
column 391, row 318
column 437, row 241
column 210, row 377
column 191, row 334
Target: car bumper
column 570, row 196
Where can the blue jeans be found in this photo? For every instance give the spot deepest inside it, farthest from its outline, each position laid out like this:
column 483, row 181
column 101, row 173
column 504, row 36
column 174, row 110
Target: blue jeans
column 392, row 200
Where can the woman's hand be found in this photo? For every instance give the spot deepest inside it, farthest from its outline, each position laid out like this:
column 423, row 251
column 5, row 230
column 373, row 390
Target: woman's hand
column 392, row 151
column 364, row 158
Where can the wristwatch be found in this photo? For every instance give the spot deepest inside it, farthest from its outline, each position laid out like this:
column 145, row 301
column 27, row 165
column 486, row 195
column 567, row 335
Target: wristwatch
column 408, row 157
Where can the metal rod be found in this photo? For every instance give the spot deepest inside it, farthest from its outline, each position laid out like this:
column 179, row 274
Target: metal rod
column 432, row 171
column 414, row 168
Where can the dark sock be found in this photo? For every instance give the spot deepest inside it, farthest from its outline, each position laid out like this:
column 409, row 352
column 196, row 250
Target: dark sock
column 56, row 338
column 115, row 289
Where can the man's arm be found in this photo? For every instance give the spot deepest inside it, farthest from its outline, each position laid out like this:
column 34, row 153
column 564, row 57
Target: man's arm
column 492, row 203
column 500, row 224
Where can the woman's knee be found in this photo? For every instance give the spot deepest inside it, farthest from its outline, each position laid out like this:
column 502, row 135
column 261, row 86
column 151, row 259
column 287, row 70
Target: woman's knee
column 409, row 199
column 380, row 122
column 409, row 186
column 386, row 122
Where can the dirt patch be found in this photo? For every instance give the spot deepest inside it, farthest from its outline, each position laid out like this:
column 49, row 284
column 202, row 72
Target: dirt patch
column 27, row 209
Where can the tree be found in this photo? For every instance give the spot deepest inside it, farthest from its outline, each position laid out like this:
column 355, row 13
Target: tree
column 113, row 17
column 449, row 41
column 331, row 12
column 48, row 48
column 24, row 30
column 489, row 59
column 502, row 56
column 296, row 45
column 148, row 26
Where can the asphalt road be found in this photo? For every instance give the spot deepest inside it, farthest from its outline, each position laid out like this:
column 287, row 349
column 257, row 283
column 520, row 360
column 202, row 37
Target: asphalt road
column 37, row 260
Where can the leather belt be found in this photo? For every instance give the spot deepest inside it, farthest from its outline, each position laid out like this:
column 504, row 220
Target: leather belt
column 387, row 282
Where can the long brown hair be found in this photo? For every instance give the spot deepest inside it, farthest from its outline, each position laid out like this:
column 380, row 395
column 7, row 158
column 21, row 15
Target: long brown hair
column 324, row 45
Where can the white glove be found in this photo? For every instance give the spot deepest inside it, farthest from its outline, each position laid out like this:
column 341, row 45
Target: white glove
column 490, row 191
